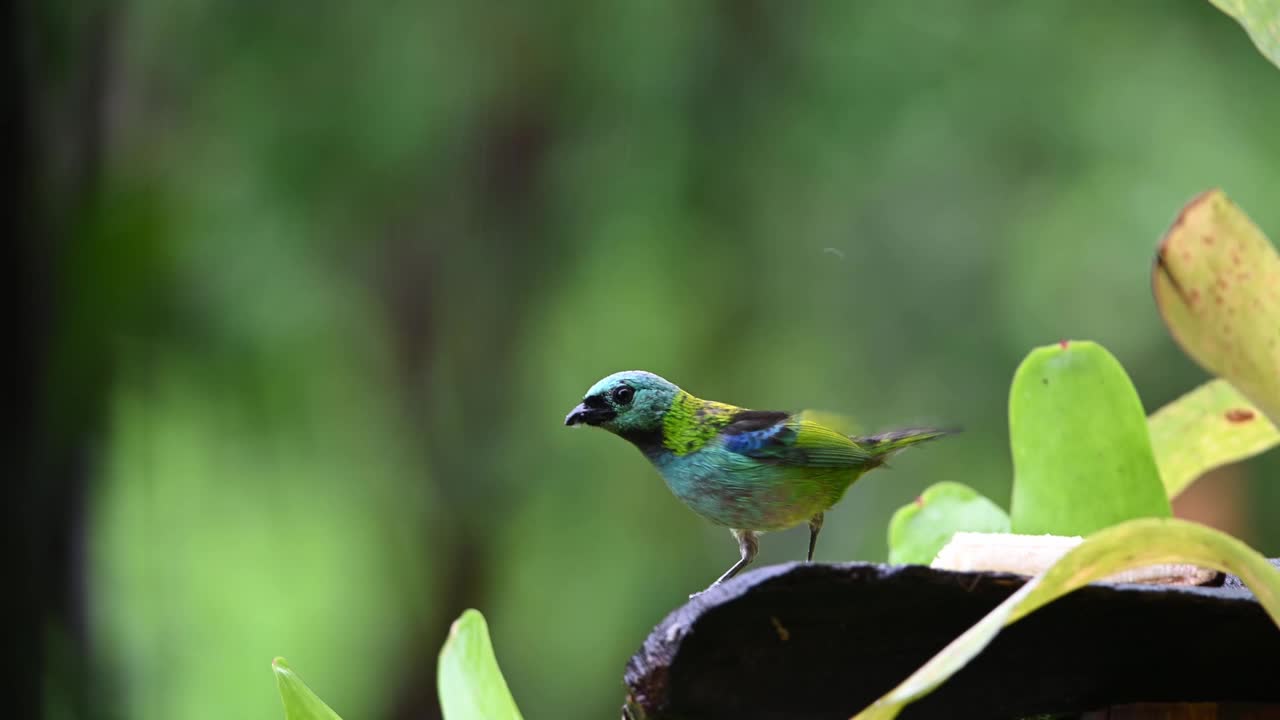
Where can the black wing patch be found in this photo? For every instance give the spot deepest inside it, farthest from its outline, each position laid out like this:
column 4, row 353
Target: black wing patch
column 752, row 420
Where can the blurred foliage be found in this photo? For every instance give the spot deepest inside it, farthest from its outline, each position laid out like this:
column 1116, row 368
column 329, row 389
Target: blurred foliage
column 343, row 271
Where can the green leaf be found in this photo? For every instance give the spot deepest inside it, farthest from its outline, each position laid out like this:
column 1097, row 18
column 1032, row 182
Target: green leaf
column 1261, row 19
column 920, row 529
column 1134, row 544
column 1217, row 285
column 299, row 702
column 1081, row 453
column 470, row 684
column 1210, row 426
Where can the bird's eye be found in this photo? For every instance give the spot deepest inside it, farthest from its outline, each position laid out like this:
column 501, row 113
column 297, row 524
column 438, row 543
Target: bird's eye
column 623, row 394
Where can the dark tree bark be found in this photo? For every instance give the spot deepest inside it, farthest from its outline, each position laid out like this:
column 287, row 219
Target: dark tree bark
column 57, row 66
column 27, row 283
column 822, row 642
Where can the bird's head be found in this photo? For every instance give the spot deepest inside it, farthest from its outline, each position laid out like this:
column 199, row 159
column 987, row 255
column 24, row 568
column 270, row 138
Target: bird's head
column 629, row 403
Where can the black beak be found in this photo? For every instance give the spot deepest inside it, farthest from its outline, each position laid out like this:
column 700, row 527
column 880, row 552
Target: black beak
column 583, row 415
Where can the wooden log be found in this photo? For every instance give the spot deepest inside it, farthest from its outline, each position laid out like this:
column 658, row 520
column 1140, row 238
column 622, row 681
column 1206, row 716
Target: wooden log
column 821, row 642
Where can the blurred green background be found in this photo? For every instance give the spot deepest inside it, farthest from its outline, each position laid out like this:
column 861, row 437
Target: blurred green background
column 326, row 277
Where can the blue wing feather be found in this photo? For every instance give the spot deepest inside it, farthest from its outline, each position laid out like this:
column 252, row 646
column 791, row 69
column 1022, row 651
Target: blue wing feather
column 753, row 440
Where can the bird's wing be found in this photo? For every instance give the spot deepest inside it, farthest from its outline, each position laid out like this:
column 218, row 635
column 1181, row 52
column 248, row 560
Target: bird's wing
column 787, row 439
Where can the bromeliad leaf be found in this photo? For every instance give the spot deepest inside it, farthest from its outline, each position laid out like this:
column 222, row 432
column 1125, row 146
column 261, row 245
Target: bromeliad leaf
column 1261, row 19
column 470, row 684
column 920, row 529
column 1210, row 426
column 1081, row 453
column 300, row 703
column 1134, row 544
column 1217, row 285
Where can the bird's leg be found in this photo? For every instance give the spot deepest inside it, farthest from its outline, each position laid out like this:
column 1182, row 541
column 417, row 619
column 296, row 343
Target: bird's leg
column 815, row 525
column 748, row 545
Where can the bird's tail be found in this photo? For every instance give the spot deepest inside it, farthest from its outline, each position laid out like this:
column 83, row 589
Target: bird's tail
column 885, row 444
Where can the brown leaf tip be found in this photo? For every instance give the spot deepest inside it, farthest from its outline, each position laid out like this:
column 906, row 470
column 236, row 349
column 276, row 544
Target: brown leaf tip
column 919, row 501
column 1063, row 344
column 1239, row 415
column 1194, row 202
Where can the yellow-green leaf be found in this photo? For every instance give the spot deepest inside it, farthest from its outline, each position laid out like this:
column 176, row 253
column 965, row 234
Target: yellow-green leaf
column 1208, row 427
column 470, row 684
column 920, row 529
column 1261, row 19
column 1217, row 284
column 1134, row 544
column 299, row 702
column 1081, row 452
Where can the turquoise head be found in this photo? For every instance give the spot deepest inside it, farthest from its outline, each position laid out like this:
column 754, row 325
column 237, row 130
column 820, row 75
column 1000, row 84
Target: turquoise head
column 631, row 404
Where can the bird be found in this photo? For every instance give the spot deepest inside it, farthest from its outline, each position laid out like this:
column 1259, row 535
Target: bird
column 752, row 471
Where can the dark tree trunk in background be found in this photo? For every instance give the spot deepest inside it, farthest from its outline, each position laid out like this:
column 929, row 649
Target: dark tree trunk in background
column 505, row 219
column 57, row 66
column 27, row 284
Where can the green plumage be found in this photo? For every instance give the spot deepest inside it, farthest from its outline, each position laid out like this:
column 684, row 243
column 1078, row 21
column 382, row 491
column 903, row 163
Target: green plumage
column 690, row 422
column 749, row 470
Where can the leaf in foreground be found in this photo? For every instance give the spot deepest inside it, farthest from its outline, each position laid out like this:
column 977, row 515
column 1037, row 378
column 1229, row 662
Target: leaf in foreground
column 470, row 684
column 920, row 529
column 1137, row 543
column 1261, row 19
column 1210, row 426
column 299, row 702
column 1217, row 285
column 1082, row 456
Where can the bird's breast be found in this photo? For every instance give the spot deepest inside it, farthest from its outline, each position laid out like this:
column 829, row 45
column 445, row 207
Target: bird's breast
column 739, row 492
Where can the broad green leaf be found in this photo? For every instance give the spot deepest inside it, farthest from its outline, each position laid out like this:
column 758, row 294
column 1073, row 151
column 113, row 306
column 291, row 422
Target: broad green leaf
column 920, row 529
column 1210, row 426
column 299, row 702
column 1261, row 19
column 1134, row 544
column 1217, row 284
column 470, row 684
column 1081, row 453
